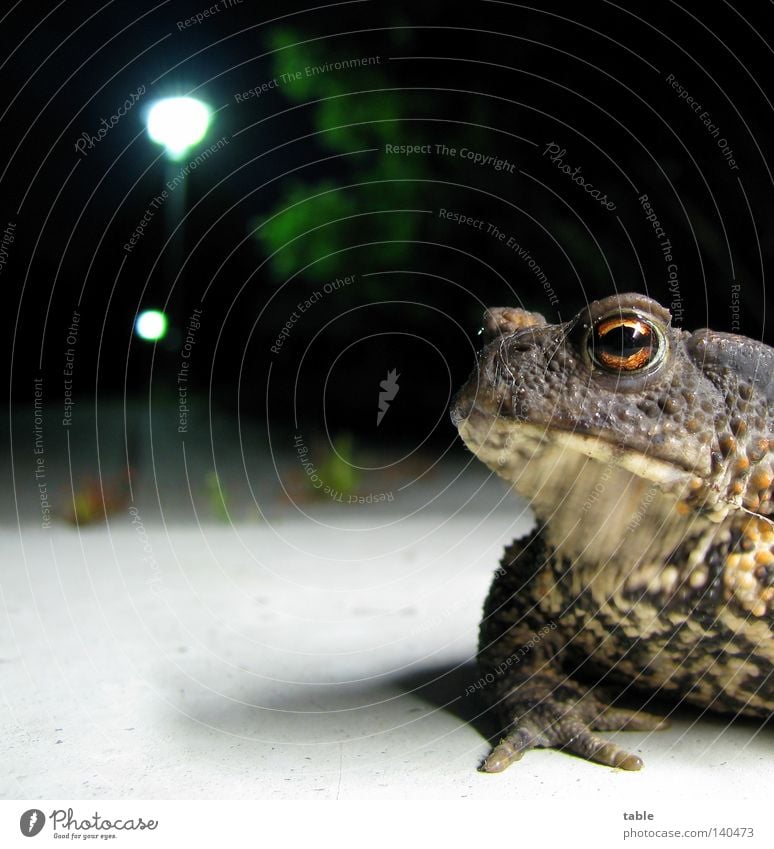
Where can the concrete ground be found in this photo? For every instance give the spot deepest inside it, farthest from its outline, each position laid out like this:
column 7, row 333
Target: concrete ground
column 317, row 656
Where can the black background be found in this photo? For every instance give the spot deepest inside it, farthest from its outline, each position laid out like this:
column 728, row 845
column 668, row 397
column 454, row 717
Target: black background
column 502, row 78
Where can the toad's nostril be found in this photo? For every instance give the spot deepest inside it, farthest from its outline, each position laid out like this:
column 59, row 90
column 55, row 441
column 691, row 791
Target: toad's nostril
column 460, row 408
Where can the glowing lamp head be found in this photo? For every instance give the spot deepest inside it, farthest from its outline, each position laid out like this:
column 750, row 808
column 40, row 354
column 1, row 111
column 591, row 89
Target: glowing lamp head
column 178, row 123
column 151, row 325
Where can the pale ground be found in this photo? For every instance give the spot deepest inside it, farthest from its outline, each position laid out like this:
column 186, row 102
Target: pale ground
column 322, row 657
column 321, row 651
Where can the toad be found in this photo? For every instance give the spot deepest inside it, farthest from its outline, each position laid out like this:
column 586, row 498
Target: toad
column 646, row 453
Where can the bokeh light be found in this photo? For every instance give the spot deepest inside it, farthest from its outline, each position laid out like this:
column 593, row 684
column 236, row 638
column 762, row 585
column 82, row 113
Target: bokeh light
column 178, row 123
column 151, row 325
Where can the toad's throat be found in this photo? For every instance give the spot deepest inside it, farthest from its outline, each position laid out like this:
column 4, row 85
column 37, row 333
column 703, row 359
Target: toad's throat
column 597, row 500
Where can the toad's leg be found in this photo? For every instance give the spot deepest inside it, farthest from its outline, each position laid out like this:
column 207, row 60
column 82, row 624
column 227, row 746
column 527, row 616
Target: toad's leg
column 520, row 658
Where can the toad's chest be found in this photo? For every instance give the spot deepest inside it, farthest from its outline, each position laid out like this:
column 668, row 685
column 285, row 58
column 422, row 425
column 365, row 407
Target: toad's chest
column 695, row 620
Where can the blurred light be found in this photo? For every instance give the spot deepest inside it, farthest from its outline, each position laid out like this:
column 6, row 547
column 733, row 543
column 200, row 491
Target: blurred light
column 151, row 325
column 178, row 123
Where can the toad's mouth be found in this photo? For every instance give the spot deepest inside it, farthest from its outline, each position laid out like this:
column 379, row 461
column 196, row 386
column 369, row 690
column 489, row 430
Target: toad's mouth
column 595, row 500
column 522, row 451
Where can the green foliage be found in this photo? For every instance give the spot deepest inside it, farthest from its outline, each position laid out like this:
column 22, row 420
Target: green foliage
column 306, row 218
column 295, row 52
column 337, row 470
column 216, row 497
column 310, row 227
column 354, row 110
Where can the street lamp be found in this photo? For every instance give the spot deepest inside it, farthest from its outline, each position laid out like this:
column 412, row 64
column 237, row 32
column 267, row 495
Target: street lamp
column 151, row 325
column 178, row 123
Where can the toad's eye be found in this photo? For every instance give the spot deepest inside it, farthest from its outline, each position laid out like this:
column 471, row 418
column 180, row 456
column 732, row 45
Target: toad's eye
column 626, row 343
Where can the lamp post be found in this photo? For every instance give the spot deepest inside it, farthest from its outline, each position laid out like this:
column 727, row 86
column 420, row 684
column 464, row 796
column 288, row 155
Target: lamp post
column 177, row 123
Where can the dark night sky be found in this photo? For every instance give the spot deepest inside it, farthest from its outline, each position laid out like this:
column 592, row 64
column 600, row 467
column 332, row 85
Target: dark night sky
column 599, row 79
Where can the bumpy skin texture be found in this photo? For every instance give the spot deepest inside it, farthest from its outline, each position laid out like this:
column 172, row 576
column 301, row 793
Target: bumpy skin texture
column 652, row 565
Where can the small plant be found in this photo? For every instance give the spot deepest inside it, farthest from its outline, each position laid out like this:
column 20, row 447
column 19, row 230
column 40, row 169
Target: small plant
column 216, row 497
column 337, row 470
column 93, row 500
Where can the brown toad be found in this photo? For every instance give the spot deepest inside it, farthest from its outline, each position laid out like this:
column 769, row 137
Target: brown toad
column 644, row 451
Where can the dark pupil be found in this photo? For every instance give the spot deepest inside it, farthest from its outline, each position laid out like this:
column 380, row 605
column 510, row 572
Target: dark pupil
column 623, row 341
column 625, row 344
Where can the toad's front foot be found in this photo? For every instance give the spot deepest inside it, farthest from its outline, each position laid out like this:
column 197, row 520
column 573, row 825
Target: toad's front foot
column 550, row 712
